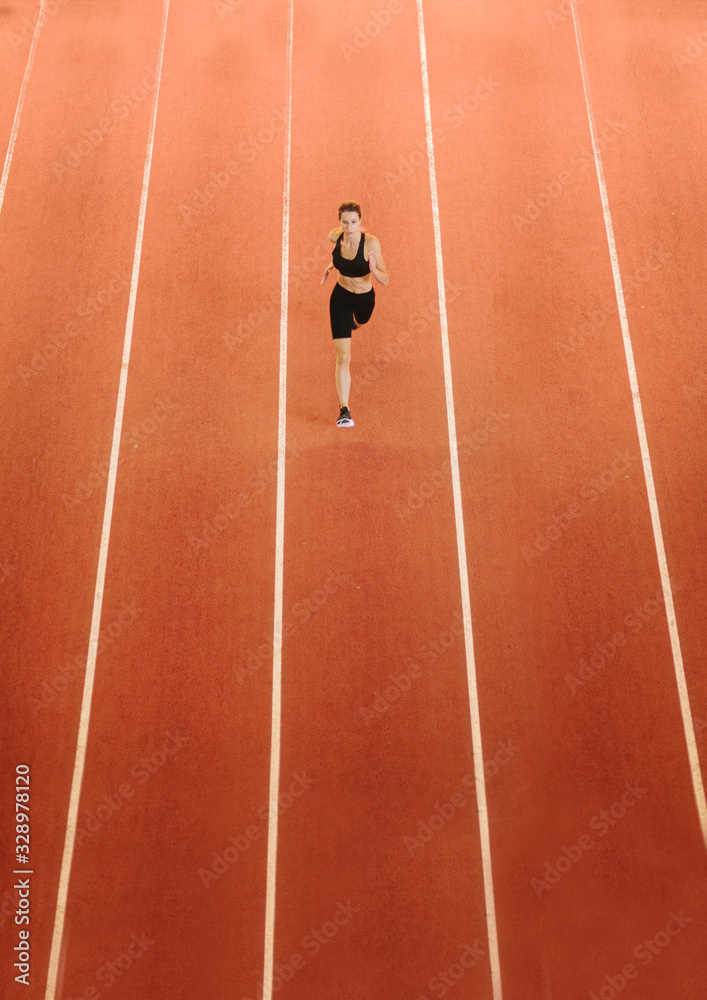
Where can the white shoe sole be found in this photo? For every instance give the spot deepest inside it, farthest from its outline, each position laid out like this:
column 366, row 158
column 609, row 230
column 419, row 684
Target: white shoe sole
column 346, row 422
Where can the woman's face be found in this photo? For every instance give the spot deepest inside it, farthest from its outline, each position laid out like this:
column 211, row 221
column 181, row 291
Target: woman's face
column 350, row 222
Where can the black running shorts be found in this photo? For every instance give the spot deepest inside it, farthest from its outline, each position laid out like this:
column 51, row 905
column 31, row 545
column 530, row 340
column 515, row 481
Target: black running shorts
column 349, row 309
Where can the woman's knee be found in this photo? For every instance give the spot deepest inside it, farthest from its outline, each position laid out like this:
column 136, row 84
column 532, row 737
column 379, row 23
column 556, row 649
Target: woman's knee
column 343, row 356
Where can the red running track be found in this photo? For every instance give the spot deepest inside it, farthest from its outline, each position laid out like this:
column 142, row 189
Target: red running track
column 380, row 884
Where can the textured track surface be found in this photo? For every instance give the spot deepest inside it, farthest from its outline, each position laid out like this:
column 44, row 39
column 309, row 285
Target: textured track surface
column 597, row 855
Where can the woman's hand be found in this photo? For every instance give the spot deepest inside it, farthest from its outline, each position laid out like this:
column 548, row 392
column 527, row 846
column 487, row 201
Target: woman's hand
column 326, row 274
column 372, row 264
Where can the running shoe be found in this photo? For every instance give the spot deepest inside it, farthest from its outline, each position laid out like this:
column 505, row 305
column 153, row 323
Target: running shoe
column 345, row 419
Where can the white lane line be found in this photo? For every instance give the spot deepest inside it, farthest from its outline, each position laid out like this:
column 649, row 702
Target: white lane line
column 461, row 541
column 269, row 951
column 20, row 102
column 57, row 948
column 693, row 756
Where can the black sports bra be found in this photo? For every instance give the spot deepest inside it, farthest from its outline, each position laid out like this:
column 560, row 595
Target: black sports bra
column 355, row 268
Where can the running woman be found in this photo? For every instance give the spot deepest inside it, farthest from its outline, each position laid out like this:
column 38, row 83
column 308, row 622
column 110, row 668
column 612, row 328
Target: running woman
column 357, row 256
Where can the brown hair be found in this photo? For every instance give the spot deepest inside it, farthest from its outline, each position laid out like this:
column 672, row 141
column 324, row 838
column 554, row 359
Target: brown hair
column 349, row 206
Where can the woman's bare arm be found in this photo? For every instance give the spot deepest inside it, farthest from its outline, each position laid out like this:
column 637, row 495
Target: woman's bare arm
column 376, row 262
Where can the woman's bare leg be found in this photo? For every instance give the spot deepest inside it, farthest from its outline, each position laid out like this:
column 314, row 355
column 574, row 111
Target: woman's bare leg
column 343, row 369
